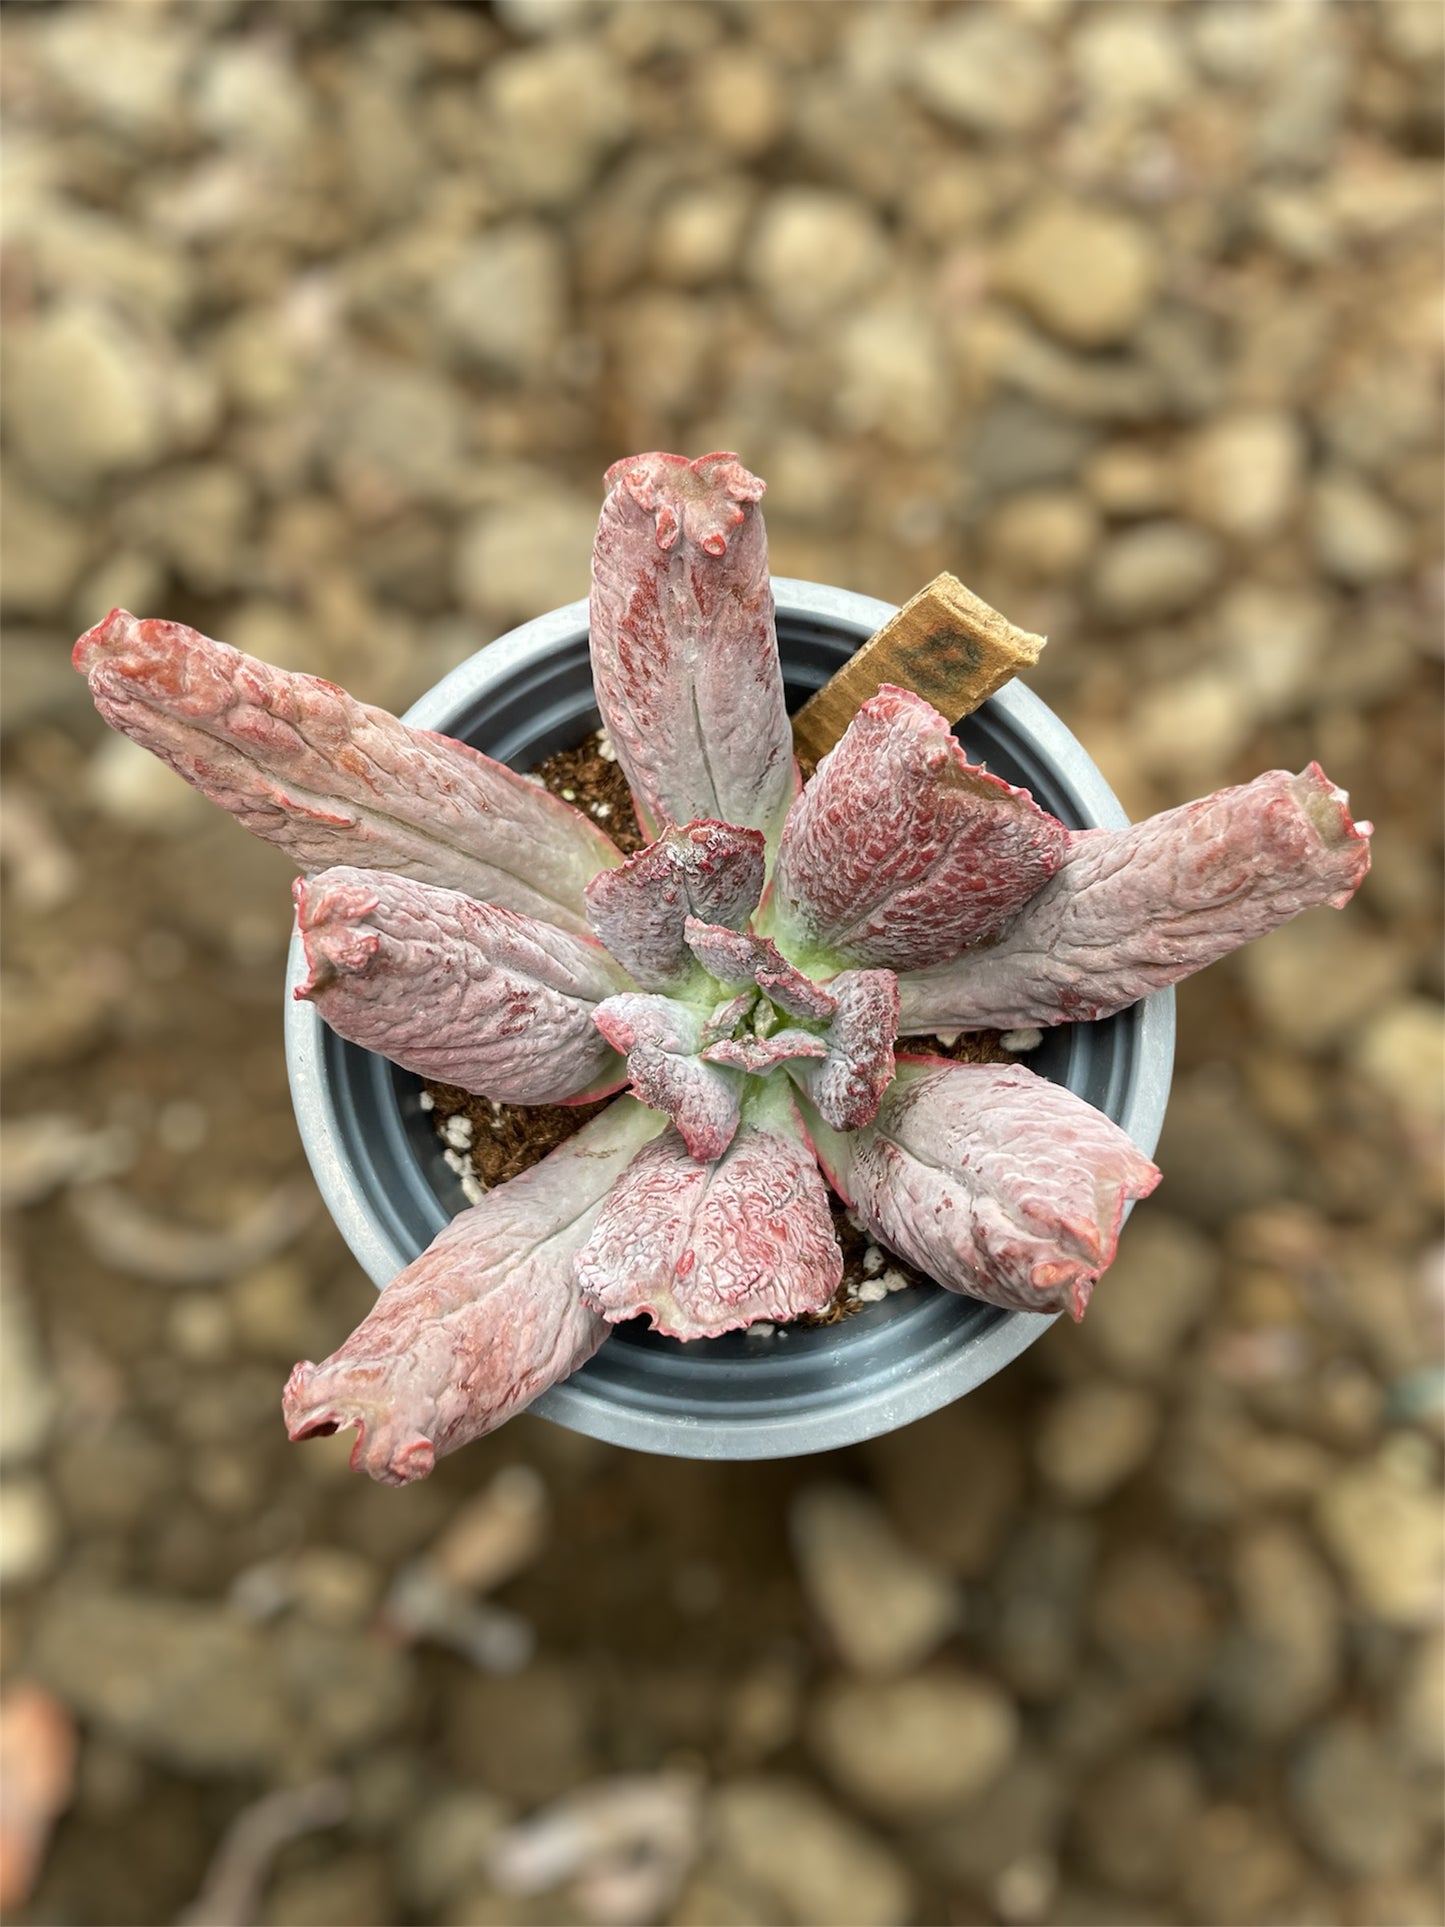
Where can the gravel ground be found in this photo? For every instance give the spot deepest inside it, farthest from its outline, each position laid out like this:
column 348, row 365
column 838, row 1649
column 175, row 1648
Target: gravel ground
column 321, row 322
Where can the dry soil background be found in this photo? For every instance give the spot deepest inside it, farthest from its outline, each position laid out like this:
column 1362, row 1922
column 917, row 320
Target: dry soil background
column 321, row 323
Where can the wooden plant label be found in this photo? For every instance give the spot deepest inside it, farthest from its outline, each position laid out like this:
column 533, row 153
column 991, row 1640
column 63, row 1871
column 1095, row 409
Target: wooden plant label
column 946, row 644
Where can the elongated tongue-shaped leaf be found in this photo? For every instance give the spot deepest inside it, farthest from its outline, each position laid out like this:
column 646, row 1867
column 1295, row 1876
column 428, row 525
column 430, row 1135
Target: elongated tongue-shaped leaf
column 1135, row 910
column 900, row 851
column 457, row 990
column 684, row 654
column 701, row 1249
column 333, row 781
column 737, row 957
column 481, row 1323
column 995, row 1182
column 661, row 1039
column 708, row 870
column 857, row 1065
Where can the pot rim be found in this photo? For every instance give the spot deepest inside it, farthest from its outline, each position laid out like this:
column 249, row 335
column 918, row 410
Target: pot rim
column 863, row 1409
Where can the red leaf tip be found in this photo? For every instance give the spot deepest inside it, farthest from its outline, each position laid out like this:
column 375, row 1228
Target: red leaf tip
column 703, row 499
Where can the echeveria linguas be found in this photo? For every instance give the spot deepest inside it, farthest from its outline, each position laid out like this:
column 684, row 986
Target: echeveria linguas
column 747, row 973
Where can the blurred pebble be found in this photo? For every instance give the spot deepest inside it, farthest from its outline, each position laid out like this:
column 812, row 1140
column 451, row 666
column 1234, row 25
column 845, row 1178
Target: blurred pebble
column 1280, row 1664
column 1321, row 976
column 512, row 560
column 806, row 1856
column 813, row 251
column 915, row 1747
column 1157, row 1289
column 29, row 1529
column 549, row 116
column 1402, row 1050
column 984, row 70
column 1093, row 1437
column 497, row 1535
column 1153, row 570
column 1358, row 537
column 446, row 1844
column 1136, row 1815
column 1086, row 272
column 883, row 1607
column 1353, row 1804
column 502, row 304
column 1382, row 1522
column 1242, row 473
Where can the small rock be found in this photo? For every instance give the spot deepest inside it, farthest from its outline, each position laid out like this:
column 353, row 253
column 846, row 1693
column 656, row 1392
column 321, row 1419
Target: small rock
column 1242, row 473
column 351, row 1887
column 1354, row 1806
column 496, row 1535
column 1093, row 1437
column 985, row 70
column 1280, row 1664
column 1183, row 731
column 1044, row 534
column 819, row 1866
column 1130, row 478
column 884, row 1607
column 132, row 787
column 1128, row 60
column 198, row 1688
column 1153, row 1294
column 550, row 115
column 527, row 1732
column 518, row 561
column 1135, row 1817
column 1239, row 1868
column 739, row 99
column 814, row 250
column 249, row 96
column 1358, row 537
column 912, row 1748
column 960, row 1524
column 1156, row 569
column 1402, row 1050
column 1152, row 1618
column 894, row 379
column 128, row 68
column 1272, row 641
column 27, row 1393
column 699, row 231
column 195, row 517
column 503, row 302
column 42, row 550
column 29, row 1529
column 1418, row 1726
column 81, row 400
column 397, row 435
column 1087, row 273
column 1041, row 1585
column 1383, row 1523
column 445, row 1845
column 1014, row 1823
column 1320, row 977
column 1219, row 1156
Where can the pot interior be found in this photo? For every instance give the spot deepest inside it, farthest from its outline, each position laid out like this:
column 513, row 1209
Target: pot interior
column 800, row 1390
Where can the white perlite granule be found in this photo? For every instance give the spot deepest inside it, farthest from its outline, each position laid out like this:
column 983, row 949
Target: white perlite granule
column 604, row 747
column 473, row 1190
column 872, row 1291
column 426, row 1101
column 457, row 1132
column 1021, row 1040
column 873, row 1262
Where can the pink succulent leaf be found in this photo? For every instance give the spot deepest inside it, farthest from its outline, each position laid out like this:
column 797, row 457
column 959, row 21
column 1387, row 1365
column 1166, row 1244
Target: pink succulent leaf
column 1135, row 910
column 736, row 957
column 759, row 1055
column 661, row 1039
column 995, row 1182
column 727, row 1016
column 703, row 1248
column 900, row 851
column 684, row 653
column 333, row 781
column 708, row 870
column 858, row 1066
column 481, row 1323
column 457, row 990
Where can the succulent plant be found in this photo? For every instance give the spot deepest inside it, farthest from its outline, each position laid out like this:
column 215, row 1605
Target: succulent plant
column 745, row 976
